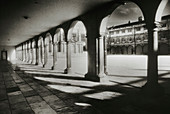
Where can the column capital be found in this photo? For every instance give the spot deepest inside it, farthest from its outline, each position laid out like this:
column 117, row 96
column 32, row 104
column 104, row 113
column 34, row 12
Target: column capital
column 157, row 25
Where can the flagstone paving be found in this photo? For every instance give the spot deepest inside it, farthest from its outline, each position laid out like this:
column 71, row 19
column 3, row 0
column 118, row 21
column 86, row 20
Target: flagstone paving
column 23, row 92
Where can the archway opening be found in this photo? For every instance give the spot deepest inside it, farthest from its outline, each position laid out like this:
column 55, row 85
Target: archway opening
column 48, row 50
column 40, row 51
column 33, row 52
column 163, row 19
column 59, row 50
column 78, row 41
column 124, row 31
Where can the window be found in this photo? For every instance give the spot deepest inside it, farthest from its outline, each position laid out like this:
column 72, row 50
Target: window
column 129, row 30
column 117, row 32
column 112, row 32
column 123, row 31
column 137, row 29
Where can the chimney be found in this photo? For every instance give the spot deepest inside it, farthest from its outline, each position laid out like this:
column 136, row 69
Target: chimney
column 140, row 18
column 128, row 22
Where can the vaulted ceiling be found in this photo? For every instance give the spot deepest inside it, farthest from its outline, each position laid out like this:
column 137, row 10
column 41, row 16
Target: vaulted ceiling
column 20, row 20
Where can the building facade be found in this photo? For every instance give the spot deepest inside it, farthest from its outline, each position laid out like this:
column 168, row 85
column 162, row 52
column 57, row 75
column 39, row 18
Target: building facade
column 132, row 38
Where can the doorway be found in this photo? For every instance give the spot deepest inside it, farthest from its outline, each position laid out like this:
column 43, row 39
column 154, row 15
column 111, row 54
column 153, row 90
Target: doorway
column 4, row 55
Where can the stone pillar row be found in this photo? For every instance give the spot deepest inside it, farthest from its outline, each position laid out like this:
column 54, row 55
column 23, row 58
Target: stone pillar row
column 38, row 52
column 96, row 47
column 19, row 52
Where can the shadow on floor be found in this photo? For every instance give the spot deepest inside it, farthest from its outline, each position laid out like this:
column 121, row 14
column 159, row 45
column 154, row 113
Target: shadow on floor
column 116, row 98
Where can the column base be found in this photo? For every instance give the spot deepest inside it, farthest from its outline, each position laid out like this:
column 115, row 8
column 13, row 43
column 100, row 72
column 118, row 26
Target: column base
column 54, row 67
column 68, row 71
column 97, row 78
column 40, row 65
column 106, row 72
column 30, row 62
column 16, row 68
column 152, row 90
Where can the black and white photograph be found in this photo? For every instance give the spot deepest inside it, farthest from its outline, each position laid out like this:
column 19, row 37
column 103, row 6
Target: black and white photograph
column 84, row 56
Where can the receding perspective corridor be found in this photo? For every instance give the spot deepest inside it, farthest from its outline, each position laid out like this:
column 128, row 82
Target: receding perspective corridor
column 84, row 56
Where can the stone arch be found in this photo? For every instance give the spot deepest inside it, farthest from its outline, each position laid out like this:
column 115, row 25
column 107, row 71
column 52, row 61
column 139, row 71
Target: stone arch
column 72, row 26
column 124, row 50
column 162, row 48
column 59, row 49
column 160, row 10
column 76, row 41
column 139, row 50
column 48, row 41
column 77, row 36
column 59, row 39
column 48, row 51
column 40, row 51
column 118, row 50
column 130, row 50
column 40, row 41
column 103, row 26
column 119, row 39
column 113, row 50
column 145, row 49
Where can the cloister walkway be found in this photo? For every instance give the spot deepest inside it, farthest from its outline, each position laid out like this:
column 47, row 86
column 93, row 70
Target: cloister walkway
column 26, row 88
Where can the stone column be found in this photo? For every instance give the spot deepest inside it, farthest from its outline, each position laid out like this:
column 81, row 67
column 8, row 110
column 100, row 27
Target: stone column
column 43, row 54
column 152, row 87
column 63, row 47
column 105, row 55
column 30, row 52
column 16, row 49
column 55, row 51
column 40, row 55
column 27, row 53
column 95, row 58
column 92, row 49
column 33, row 53
column 36, row 52
column 46, row 54
column 68, row 55
column 22, row 52
column 101, row 57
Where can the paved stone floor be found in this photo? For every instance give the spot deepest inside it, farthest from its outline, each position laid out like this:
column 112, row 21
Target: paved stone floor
column 30, row 89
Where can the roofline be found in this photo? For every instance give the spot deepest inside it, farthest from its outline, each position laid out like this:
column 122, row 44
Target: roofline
column 135, row 23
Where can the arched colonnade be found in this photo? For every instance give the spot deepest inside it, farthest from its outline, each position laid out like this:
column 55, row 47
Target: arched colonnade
column 95, row 41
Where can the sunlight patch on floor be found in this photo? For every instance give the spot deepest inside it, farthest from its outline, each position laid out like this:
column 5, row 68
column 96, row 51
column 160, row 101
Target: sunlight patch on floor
column 83, row 104
column 68, row 81
column 69, row 89
column 41, row 73
column 103, row 95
